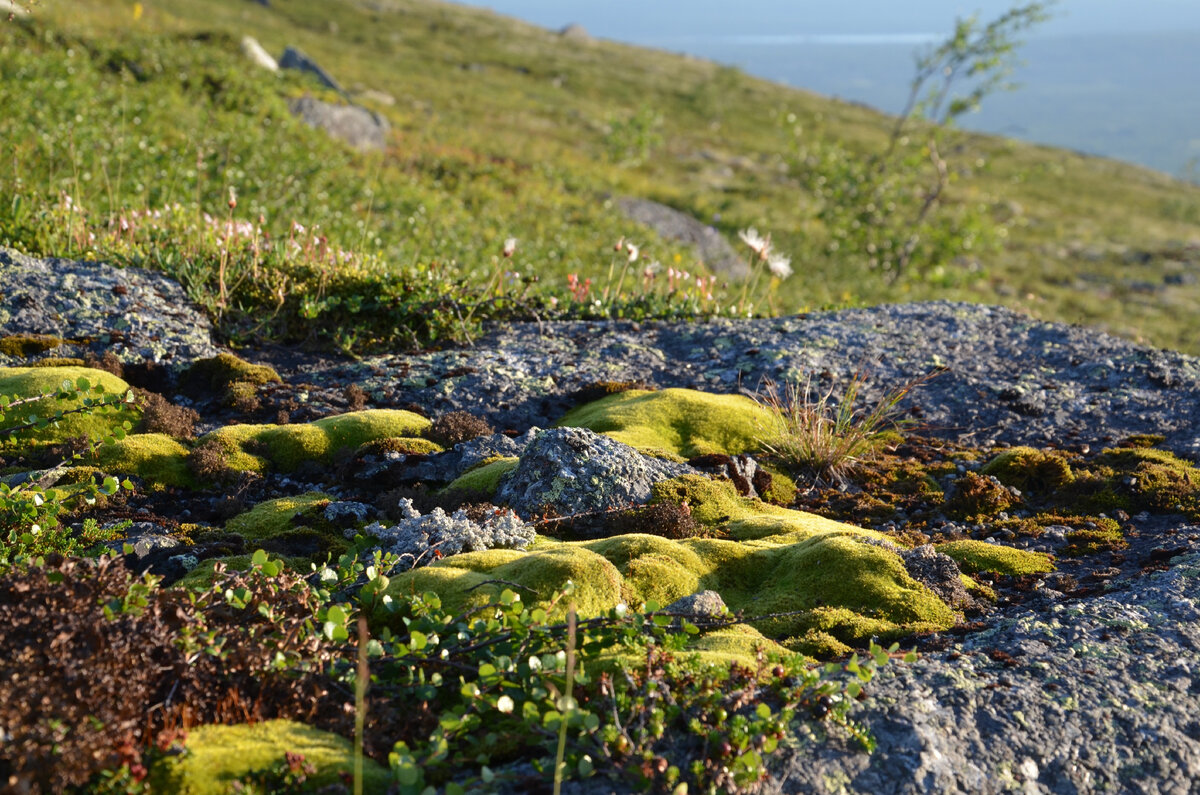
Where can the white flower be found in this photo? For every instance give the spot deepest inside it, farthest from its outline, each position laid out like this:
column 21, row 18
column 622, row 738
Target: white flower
column 779, row 265
column 510, row 245
column 633, row 252
column 758, row 244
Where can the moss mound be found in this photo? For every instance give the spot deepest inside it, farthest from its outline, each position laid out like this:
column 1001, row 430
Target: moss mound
column 1163, row 482
column 27, row 381
column 23, row 346
column 483, row 479
column 839, row 585
column 1030, row 470
column 219, row 755
column 676, row 422
column 273, row 517
column 222, row 371
column 154, row 457
column 976, row 556
column 255, row 448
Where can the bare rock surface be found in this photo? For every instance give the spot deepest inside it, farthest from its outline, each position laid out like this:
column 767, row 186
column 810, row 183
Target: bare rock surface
column 574, row 470
column 135, row 314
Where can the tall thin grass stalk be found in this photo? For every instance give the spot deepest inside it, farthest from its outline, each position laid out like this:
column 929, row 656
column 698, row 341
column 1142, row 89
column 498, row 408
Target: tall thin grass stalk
column 829, row 438
column 360, row 703
column 568, row 704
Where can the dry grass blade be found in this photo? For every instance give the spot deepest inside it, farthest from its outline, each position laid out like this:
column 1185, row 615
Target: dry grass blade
column 829, row 438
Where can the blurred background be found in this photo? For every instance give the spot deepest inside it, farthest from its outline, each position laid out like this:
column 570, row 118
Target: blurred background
column 1106, row 77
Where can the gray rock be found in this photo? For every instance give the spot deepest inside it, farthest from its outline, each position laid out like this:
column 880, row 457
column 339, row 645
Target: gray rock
column 294, row 58
column 145, row 538
column 575, row 32
column 353, row 124
column 937, row 572
column 672, row 224
column 136, row 314
column 703, row 604
column 1103, row 696
column 573, row 471
column 347, row 513
column 445, row 467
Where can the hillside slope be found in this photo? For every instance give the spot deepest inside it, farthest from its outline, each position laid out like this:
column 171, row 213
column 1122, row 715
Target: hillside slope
column 503, row 129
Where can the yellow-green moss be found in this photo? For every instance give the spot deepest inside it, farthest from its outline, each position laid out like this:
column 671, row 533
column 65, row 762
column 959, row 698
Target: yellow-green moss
column 405, row 445
column 27, row 381
column 26, row 345
column 60, row 361
column 1163, row 481
column 202, row 576
column 1030, row 470
column 251, row 447
column 976, row 556
column 841, row 585
column 270, row 518
column 154, row 457
column 218, row 755
column 485, row 478
column 676, row 422
column 225, row 369
column 716, row 503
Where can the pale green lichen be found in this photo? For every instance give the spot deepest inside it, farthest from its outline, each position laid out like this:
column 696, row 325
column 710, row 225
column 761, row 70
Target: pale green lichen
column 976, row 556
column 219, row 755
column 676, row 422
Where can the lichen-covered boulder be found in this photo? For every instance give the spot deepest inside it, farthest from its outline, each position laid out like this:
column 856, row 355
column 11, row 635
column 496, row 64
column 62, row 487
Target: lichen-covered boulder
column 575, row 470
column 353, row 124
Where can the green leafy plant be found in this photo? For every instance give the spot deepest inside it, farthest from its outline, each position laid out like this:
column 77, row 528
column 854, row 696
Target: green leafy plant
column 889, row 211
column 30, row 508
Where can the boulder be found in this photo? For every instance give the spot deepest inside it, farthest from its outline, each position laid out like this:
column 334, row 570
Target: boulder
column 353, row 124
column 672, row 224
column 702, row 604
column 258, row 55
column 294, row 58
column 574, row 470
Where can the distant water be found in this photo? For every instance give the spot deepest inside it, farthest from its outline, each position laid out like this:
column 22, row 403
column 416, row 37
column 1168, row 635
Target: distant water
column 1118, row 79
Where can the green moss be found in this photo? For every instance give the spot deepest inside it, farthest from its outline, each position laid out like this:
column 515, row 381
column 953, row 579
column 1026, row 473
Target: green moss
column 716, row 503
column 405, row 445
column 218, row 755
column 677, row 422
column 483, row 479
column 28, row 381
column 976, row 556
column 1106, row 536
column 782, row 490
column 252, row 447
column 154, row 457
column 273, row 517
column 220, row 372
column 60, row 361
column 26, row 345
column 1030, row 470
column 1163, row 482
column 978, row 497
column 839, row 585
column 202, row 576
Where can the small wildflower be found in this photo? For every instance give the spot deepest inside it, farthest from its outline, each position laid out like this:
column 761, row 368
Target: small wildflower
column 510, row 246
column 620, row 244
column 758, row 244
column 779, row 265
column 633, row 252
column 232, row 197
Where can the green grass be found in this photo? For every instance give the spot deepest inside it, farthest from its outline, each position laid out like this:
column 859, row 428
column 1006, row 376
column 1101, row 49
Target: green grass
column 502, row 129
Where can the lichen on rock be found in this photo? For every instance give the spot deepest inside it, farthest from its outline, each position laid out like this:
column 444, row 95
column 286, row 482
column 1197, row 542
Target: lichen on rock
column 421, row 539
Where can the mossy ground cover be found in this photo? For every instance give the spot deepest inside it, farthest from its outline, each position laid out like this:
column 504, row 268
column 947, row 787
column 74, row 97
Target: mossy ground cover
column 30, row 381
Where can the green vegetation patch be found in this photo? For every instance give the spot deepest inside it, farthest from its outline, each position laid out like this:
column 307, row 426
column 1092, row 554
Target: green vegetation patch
column 841, row 586
column 29, row 381
column 254, row 447
column 25, row 345
column 154, row 457
column 273, row 517
column 217, row 756
column 485, row 478
column 225, row 369
column 977, row 556
column 1030, row 470
column 676, row 422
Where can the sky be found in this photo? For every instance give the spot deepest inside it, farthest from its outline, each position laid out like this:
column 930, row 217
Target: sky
column 650, row 20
